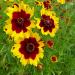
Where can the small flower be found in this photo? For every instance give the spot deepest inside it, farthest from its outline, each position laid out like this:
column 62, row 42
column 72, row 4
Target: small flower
column 47, row 4
column 61, row 1
column 54, row 58
column 19, row 21
column 48, row 23
column 50, row 43
column 29, row 50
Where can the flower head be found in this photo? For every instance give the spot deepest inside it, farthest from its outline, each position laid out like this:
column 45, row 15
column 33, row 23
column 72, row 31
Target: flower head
column 54, row 58
column 47, row 4
column 29, row 49
column 48, row 23
column 19, row 21
column 50, row 43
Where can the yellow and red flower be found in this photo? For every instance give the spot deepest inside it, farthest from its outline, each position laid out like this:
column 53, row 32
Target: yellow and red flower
column 50, row 43
column 29, row 49
column 61, row 1
column 19, row 21
column 54, row 58
column 48, row 23
column 47, row 4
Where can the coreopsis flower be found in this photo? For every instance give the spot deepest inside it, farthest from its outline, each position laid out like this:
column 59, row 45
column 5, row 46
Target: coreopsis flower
column 61, row 1
column 19, row 21
column 50, row 43
column 48, row 23
column 53, row 58
column 29, row 50
column 47, row 4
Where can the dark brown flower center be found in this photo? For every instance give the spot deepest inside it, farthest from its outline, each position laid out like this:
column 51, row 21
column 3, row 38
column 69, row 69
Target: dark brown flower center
column 20, row 20
column 30, row 47
column 47, row 22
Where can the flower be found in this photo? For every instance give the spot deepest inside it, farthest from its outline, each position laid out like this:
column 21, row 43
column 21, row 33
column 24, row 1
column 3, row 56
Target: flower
column 50, row 43
column 48, row 23
column 29, row 49
column 19, row 21
column 47, row 4
column 54, row 58
column 61, row 1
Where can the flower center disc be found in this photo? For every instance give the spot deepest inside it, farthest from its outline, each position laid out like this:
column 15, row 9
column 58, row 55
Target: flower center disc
column 30, row 47
column 47, row 23
column 20, row 20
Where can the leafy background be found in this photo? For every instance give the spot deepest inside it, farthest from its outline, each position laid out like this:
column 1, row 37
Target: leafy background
column 64, row 43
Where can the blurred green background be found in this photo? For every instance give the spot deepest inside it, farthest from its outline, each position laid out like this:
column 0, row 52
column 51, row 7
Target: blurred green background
column 64, row 43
